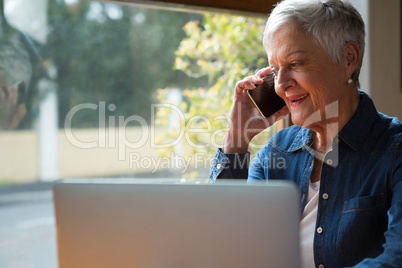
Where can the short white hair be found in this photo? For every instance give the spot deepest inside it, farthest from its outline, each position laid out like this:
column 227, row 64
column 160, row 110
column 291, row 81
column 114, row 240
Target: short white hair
column 332, row 23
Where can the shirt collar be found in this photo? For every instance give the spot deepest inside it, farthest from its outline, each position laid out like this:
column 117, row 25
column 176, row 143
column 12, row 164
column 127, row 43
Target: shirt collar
column 357, row 129
column 303, row 140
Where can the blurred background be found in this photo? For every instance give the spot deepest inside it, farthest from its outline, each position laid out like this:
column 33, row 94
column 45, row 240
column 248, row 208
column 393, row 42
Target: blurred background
column 102, row 79
column 92, row 89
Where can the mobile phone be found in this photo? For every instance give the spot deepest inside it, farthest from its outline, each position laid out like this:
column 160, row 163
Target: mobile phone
column 265, row 98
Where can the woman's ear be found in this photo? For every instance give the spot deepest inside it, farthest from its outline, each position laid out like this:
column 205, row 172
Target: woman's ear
column 352, row 56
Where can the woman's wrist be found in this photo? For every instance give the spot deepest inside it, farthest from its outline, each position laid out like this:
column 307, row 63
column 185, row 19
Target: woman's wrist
column 234, row 144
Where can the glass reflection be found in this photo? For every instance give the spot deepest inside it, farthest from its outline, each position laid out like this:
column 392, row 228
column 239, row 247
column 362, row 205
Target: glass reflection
column 15, row 77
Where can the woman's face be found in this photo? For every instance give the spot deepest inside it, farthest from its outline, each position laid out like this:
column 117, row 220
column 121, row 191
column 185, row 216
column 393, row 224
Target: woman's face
column 306, row 78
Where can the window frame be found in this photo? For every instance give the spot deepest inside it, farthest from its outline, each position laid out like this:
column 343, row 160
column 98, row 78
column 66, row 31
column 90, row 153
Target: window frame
column 252, row 8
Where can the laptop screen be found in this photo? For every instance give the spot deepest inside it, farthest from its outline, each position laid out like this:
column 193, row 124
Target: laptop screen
column 127, row 223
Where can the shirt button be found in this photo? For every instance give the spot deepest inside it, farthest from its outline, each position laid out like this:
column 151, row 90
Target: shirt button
column 325, row 196
column 321, row 266
column 319, row 230
column 329, row 162
column 218, row 166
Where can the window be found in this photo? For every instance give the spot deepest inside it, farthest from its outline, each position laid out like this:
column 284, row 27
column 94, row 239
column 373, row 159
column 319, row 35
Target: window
column 93, row 89
column 124, row 90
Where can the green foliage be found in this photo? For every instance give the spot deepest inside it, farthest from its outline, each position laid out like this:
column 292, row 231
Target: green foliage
column 226, row 49
column 120, row 60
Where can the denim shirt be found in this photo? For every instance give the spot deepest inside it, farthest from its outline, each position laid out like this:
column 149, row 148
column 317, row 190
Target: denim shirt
column 359, row 218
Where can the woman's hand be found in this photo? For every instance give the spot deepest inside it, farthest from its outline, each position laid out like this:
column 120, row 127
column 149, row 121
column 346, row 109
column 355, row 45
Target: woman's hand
column 245, row 120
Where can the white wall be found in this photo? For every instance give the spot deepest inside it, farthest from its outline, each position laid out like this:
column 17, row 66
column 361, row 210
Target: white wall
column 381, row 72
column 385, row 56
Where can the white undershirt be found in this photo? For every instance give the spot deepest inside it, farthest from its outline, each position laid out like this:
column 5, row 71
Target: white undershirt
column 307, row 225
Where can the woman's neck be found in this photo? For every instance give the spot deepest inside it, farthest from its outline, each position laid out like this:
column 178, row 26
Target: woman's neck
column 338, row 117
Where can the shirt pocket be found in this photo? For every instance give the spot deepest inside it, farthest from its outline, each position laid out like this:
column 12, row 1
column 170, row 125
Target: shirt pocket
column 361, row 230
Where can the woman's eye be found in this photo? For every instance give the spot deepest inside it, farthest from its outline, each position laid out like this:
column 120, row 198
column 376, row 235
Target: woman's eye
column 295, row 64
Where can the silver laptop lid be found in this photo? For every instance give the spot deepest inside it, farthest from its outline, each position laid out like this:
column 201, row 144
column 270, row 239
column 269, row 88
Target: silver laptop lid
column 129, row 223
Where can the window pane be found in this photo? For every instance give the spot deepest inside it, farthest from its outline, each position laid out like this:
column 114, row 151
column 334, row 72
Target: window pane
column 92, row 89
column 124, row 91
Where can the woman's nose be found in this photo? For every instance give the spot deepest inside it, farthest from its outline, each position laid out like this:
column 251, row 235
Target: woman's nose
column 283, row 80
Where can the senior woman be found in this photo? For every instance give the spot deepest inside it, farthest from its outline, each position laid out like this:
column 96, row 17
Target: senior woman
column 345, row 156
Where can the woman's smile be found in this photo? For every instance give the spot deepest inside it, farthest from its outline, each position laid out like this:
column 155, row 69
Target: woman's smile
column 295, row 100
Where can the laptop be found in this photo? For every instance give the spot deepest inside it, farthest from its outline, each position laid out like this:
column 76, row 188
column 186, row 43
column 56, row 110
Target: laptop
column 164, row 223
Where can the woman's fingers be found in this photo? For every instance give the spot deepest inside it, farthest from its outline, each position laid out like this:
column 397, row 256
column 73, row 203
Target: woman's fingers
column 248, row 83
column 263, row 72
